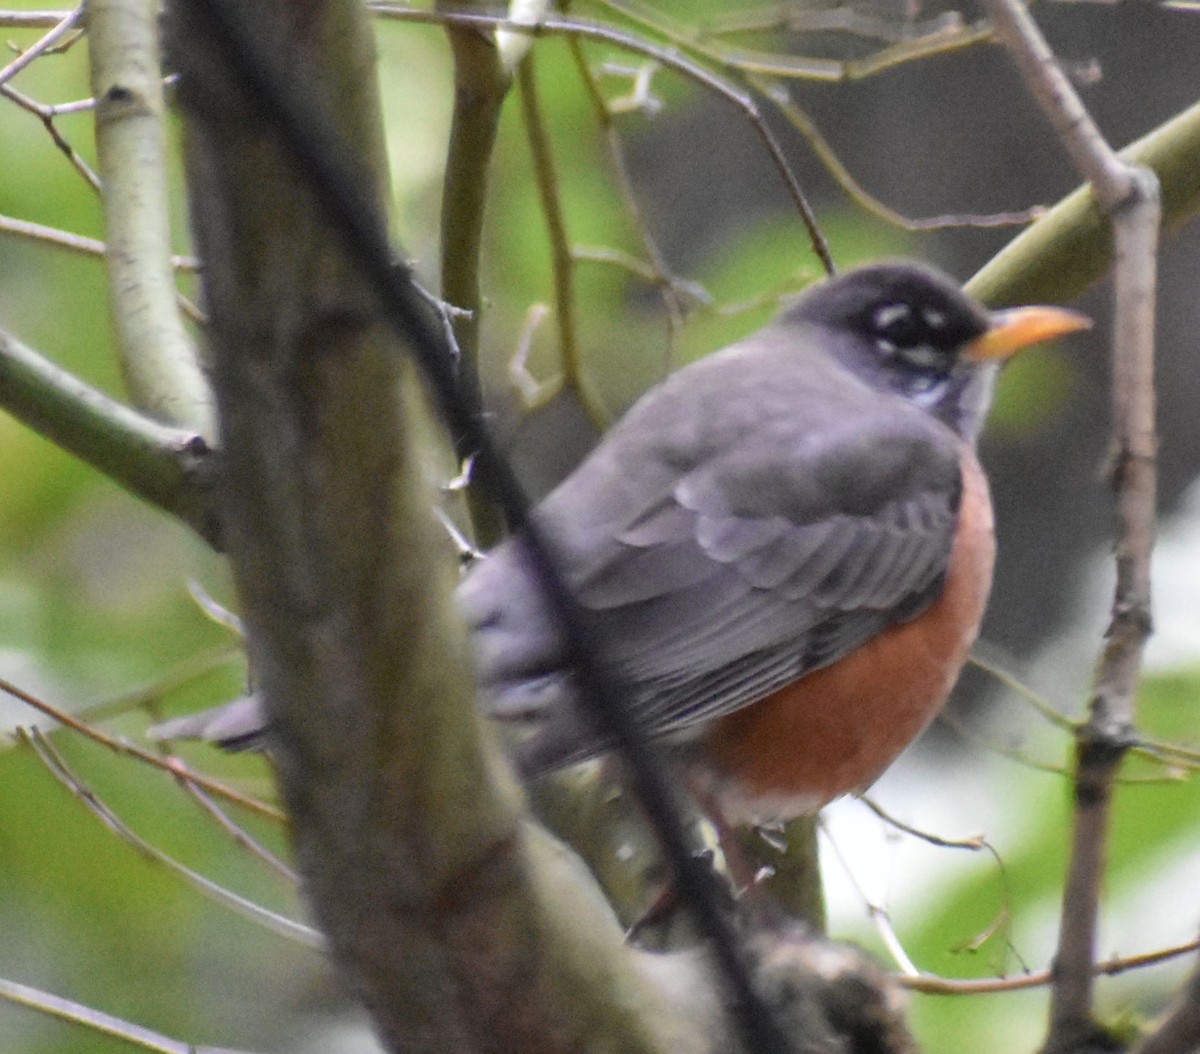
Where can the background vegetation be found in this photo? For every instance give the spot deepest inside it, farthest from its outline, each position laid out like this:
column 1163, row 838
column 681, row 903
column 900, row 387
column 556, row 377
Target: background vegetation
column 96, row 615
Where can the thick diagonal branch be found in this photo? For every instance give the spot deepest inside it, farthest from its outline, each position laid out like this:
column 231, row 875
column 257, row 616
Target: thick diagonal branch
column 458, row 926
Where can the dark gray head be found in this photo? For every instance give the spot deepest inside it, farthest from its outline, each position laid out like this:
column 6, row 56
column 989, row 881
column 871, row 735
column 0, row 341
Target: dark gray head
column 911, row 330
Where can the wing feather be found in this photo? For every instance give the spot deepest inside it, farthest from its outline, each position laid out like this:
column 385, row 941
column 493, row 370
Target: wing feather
column 717, row 572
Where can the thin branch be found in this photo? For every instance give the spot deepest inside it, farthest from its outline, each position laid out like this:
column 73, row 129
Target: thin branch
column 668, row 57
column 62, row 29
column 43, row 114
column 239, row 834
column 562, row 260
column 1002, row 922
column 32, row 19
column 1131, row 198
column 57, row 766
column 92, row 247
column 671, row 289
column 943, row 38
column 878, row 915
column 778, row 94
column 481, row 82
column 96, row 1020
column 534, row 394
column 1160, row 751
column 158, row 359
column 1072, row 246
column 930, row 984
column 974, row 843
column 77, row 243
column 172, row 766
column 768, row 75
column 801, row 18
column 169, row 467
column 1093, row 158
column 182, row 673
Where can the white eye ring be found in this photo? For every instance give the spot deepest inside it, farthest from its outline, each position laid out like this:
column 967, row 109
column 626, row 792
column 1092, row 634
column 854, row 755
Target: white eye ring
column 885, row 348
column 889, row 314
column 934, row 318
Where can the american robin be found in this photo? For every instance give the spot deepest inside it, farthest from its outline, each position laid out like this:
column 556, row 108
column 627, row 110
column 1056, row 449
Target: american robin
column 786, row 547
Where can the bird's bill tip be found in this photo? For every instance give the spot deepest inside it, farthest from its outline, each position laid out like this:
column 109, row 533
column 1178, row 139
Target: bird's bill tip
column 1021, row 327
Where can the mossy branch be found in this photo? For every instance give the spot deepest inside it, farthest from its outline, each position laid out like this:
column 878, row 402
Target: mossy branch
column 1071, row 246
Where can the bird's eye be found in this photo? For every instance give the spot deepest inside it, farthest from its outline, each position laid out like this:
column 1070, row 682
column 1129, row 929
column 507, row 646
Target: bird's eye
column 898, row 325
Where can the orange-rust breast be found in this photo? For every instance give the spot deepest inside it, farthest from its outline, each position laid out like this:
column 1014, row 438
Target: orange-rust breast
column 837, row 729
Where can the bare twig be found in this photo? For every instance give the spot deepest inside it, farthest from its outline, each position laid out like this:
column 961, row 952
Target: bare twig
column 63, row 28
column 1131, row 198
column 658, row 273
column 780, row 97
column 57, row 766
column 93, row 247
column 974, row 843
column 172, row 766
column 44, row 114
column 1160, row 751
column 31, row 19
column 562, row 261
column 238, row 833
column 941, row 37
column 878, row 915
column 930, row 984
column 533, row 393
column 668, row 57
column 769, row 73
column 802, row 18
column 146, row 697
column 1071, row 246
column 97, row 1021
column 78, row 243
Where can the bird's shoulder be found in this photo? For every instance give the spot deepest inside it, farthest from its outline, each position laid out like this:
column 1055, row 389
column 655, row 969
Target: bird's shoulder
column 760, row 430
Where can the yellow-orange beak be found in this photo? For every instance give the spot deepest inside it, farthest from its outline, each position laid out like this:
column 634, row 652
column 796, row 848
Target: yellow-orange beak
column 1022, row 327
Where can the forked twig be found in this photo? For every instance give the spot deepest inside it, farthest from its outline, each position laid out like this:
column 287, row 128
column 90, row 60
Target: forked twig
column 975, row 843
column 671, row 288
column 768, row 74
column 173, row 766
column 668, row 57
column 239, row 834
column 878, row 914
column 61, row 29
column 57, row 766
column 44, row 114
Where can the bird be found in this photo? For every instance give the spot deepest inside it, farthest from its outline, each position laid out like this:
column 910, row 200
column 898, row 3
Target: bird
column 785, row 550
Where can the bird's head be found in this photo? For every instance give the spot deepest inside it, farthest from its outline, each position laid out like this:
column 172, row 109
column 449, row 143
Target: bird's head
column 911, row 330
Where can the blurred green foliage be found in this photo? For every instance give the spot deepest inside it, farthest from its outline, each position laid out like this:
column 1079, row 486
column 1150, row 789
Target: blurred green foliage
column 93, row 598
